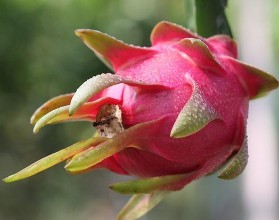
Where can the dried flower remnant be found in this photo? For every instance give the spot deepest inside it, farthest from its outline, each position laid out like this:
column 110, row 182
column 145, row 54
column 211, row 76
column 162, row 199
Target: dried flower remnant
column 108, row 121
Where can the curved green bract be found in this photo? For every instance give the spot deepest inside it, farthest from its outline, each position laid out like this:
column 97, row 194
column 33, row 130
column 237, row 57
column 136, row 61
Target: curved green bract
column 194, row 116
column 149, row 185
column 50, row 105
column 140, row 204
column 257, row 82
column 54, row 159
column 169, row 32
column 199, row 53
column 91, row 87
column 87, row 111
column 98, row 83
column 94, row 155
column 46, row 119
column 114, row 53
column 237, row 164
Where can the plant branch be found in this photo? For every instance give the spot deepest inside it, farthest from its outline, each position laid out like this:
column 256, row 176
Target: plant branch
column 211, row 18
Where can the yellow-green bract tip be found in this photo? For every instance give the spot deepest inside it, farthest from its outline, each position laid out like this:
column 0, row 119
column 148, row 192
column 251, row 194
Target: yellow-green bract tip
column 73, row 108
column 47, row 118
column 7, row 180
column 80, row 32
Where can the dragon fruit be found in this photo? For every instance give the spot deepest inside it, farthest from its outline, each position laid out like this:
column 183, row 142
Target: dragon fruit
column 171, row 113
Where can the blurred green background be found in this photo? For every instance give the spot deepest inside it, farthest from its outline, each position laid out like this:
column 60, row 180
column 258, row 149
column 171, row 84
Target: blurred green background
column 40, row 57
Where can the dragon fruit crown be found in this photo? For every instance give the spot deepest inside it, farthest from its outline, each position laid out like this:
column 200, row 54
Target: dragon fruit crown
column 171, row 113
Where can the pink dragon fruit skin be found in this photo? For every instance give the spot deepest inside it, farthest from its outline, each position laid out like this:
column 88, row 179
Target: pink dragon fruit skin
column 183, row 106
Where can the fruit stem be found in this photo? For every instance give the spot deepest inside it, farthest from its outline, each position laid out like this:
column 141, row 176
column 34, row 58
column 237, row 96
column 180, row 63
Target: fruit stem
column 211, row 18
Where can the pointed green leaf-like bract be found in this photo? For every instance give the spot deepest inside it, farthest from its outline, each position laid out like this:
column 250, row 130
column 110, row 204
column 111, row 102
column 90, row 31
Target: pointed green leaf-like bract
column 46, row 119
column 114, row 53
column 199, row 52
column 148, row 185
column 257, row 82
column 94, row 155
column 194, row 116
column 237, row 164
column 169, row 32
column 88, row 111
column 140, row 204
column 50, row 105
column 54, row 159
column 98, row 83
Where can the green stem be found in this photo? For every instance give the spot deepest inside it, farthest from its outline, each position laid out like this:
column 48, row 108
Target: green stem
column 211, row 18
